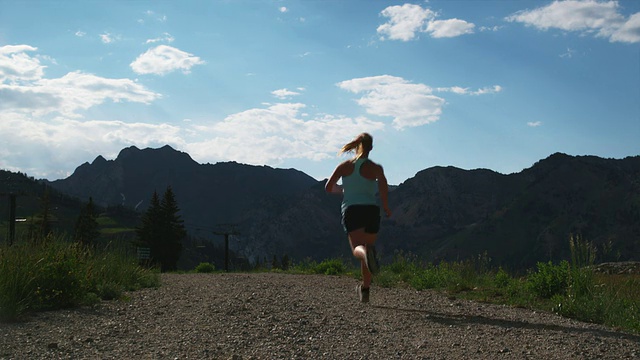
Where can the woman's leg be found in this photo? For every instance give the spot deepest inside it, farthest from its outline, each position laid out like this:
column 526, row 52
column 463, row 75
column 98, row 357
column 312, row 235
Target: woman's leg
column 358, row 240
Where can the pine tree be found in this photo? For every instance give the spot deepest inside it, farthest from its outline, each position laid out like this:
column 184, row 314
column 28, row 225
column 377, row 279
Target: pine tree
column 86, row 230
column 150, row 229
column 285, row 262
column 162, row 231
column 173, row 231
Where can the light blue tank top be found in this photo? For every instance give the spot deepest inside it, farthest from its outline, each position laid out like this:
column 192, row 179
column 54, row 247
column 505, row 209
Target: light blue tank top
column 358, row 190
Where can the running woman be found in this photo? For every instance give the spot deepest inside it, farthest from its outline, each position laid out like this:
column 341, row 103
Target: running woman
column 361, row 180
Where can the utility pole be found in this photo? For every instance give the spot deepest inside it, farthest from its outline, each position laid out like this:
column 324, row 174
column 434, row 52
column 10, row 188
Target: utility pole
column 226, row 230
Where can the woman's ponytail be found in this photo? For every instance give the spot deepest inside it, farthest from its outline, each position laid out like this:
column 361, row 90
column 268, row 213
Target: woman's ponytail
column 361, row 144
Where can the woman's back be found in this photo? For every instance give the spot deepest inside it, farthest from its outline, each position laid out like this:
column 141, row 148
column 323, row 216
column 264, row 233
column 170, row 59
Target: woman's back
column 359, row 189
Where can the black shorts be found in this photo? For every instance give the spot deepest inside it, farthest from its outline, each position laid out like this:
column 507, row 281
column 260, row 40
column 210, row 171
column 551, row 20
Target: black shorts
column 362, row 216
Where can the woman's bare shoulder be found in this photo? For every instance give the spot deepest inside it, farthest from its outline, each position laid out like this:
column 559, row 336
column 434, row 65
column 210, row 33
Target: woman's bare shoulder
column 345, row 167
column 374, row 165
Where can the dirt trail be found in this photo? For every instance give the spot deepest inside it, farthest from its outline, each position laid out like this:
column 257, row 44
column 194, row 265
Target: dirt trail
column 280, row 316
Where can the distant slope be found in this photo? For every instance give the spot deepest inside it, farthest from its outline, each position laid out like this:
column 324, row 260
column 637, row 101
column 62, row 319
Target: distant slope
column 207, row 194
column 442, row 213
column 64, row 209
column 523, row 218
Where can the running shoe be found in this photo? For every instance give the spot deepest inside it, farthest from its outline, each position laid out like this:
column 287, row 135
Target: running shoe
column 363, row 293
column 372, row 260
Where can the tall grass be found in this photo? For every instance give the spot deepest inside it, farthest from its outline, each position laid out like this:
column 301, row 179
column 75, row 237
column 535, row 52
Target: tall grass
column 598, row 299
column 570, row 289
column 325, row 267
column 53, row 273
column 452, row 276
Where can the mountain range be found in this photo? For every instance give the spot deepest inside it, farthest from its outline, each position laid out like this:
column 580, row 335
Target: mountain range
column 442, row 213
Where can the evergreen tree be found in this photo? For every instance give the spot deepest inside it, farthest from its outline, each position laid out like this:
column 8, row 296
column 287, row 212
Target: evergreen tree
column 149, row 231
column 86, row 230
column 173, row 231
column 274, row 263
column 162, row 230
column 285, row 262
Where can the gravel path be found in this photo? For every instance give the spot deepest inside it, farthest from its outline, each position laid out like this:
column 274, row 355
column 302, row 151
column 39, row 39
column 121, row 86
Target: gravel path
column 281, row 316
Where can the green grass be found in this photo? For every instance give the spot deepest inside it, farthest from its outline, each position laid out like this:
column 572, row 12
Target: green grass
column 325, row 267
column 53, row 273
column 568, row 289
column 115, row 230
column 104, row 221
column 109, row 226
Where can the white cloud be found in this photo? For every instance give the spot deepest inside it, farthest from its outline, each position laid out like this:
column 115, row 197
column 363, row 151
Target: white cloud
column 407, row 20
column 52, row 149
column 589, row 16
column 164, row 59
column 166, row 37
column 152, row 14
column 568, row 54
column 284, row 93
column 409, row 104
column 629, row 32
column 78, row 91
column 275, row 133
column 17, row 66
column 267, row 135
column 534, row 123
column 40, row 124
column 106, row 38
column 283, row 9
column 44, row 134
column 404, row 21
column 80, row 33
column 490, row 28
column 24, row 89
column 449, row 28
column 454, row 89
column 465, row 91
column 488, row 90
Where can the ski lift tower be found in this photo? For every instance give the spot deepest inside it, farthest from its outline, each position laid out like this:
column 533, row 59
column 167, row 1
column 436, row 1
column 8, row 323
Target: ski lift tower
column 226, row 230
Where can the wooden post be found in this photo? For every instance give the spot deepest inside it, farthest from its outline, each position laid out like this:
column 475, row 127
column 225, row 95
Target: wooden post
column 12, row 218
column 226, row 252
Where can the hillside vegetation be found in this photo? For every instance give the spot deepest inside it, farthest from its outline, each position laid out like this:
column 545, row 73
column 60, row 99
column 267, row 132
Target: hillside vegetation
column 442, row 213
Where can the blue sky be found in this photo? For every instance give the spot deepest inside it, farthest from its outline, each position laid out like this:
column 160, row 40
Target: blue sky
column 472, row 84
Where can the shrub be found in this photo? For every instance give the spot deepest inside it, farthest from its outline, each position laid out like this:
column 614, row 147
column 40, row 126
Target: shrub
column 52, row 273
column 549, row 280
column 331, row 267
column 592, row 309
column 109, row 290
column 445, row 275
column 502, row 280
column 205, row 267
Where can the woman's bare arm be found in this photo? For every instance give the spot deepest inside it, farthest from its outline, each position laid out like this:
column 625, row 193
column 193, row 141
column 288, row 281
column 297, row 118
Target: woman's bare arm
column 383, row 190
column 332, row 186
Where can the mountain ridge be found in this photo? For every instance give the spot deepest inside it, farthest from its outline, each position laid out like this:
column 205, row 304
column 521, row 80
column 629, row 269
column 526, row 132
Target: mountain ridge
column 442, row 213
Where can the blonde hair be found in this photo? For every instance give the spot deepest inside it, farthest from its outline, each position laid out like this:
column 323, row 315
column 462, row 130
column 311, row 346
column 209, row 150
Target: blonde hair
column 362, row 144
